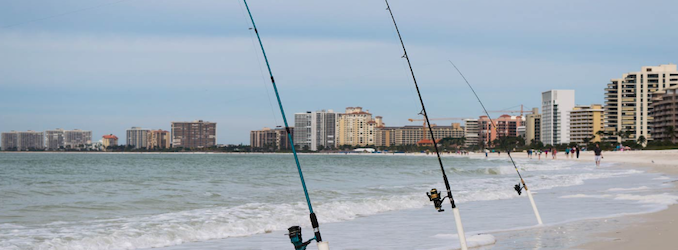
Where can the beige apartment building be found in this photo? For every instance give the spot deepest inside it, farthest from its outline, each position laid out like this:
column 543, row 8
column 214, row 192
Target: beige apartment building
column 196, row 134
column 356, row 127
column 585, row 122
column 533, row 127
column 77, row 138
column 471, row 130
column 413, row 135
column 628, row 99
column 276, row 139
column 158, row 139
column 664, row 110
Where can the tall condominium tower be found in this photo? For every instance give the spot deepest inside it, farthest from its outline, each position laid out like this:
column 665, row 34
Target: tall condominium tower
column 137, row 137
column 471, row 130
column 55, row 139
column 29, row 140
column 77, row 138
column 555, row 118
column 628, row 99
column 196, row 134
column 315, row 129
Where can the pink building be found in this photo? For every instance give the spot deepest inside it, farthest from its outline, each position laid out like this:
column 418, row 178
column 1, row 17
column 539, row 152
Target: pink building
column 506, row 126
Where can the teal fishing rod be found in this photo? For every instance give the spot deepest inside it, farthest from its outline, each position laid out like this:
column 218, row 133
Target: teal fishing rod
column 517, row 187
column 294, row 231
column 434, row 195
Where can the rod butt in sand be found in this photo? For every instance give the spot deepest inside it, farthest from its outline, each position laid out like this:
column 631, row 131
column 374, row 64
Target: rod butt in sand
column 534, row 207
column 460, row 229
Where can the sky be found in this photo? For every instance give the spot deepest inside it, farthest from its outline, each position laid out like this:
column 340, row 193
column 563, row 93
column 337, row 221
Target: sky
column 108, row 65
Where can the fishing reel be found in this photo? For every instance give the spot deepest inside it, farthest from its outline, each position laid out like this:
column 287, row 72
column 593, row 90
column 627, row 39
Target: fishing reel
column 296, row 239
column 434, row 196
column 518, row 188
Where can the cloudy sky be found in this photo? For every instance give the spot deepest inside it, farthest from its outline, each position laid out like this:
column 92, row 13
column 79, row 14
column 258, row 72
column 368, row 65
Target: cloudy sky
column 107, row 65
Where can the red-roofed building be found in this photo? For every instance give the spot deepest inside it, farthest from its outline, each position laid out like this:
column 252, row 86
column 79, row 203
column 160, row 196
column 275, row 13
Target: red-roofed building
column 110, row 140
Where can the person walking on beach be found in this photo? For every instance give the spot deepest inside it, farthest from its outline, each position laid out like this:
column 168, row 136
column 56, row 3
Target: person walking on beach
column 539, row 153
column 598, row 153
column 486, row 151
column 547, row 153
column 567, row 152
column 553, row 153
column 577, row 148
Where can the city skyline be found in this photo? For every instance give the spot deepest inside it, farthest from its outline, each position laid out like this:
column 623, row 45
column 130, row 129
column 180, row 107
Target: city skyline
column 100, row 70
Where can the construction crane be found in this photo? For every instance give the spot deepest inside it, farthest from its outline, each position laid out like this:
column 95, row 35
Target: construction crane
column 423, row 130
column 521, row 111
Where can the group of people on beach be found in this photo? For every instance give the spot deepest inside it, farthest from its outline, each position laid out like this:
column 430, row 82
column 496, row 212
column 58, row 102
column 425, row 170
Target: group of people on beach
column 570, row 152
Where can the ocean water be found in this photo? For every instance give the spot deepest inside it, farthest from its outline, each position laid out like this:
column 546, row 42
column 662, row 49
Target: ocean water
column 247, row 201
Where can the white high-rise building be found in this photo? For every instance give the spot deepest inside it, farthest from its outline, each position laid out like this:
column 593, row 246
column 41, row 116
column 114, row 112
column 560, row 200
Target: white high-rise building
column 77, row 138
column 555, row 119
column 315, row 129
column 471, row 130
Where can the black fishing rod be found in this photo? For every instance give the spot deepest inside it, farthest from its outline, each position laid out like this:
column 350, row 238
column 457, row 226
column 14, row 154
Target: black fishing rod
column 294, row 231
column 517, row 187
column 434, row 195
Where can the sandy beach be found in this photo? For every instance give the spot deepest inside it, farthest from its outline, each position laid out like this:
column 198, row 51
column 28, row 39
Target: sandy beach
column 654, row 230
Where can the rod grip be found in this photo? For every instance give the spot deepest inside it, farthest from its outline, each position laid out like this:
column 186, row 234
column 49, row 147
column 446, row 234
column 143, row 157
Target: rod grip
column 316, row 227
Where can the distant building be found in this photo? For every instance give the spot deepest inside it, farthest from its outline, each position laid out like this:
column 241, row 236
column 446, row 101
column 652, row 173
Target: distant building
column 384, row 136
column 471, row 130
column 158, row 139
column 628, row 99
column 533, row 127
column 555, row 118
column 28, row 140
column 506, row 126
column 317, row 129
column 585, row 122
column 664, row 110
column 419, row 135
column 137, row 137
column 356, row 127
column 77, row 138
column 55, row 139
column 275, row 139
column 109, row 140
column 10, row 141
column 196, row 134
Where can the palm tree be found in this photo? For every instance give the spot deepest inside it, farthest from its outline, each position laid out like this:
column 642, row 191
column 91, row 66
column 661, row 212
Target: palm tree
column 671, row 133
column 601, row 134
column 641, row 140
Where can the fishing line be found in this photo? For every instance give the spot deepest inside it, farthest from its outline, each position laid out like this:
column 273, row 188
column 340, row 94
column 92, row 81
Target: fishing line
column 518, row 188
column 295, row 231
column 261, row 70
column 434, row 194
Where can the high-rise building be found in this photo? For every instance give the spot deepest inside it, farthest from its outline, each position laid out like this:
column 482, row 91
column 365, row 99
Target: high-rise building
column 555, row 117
column 77, row 138
column 109, row 140
column 315, row 130
column 628, row 99
column 471, row 130
column 356, row 127
column 28, row 140
column 196, row 134
column 10, row 141
column 506, row 126
column 55, row 139
column 664, row 110
column 585, row 122
column 137, row 137
column 275, row 139
column 158, row 139
column 533, row 127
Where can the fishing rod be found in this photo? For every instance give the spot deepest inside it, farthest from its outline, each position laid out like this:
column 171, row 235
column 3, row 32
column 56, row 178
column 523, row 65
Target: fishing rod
column 434, row 195
column 517, row 187
column 294, row 231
